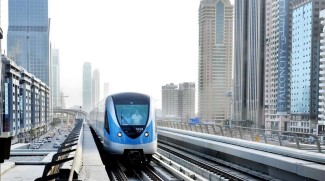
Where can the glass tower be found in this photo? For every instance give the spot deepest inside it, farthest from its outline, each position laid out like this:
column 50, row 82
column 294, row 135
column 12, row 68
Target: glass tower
column 28, row 36
column 305, row 57
column 249, row 61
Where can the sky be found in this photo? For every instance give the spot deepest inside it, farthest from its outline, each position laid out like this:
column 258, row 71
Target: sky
column 137, row 45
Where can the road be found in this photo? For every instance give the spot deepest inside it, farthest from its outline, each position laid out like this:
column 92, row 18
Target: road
column 59, row 137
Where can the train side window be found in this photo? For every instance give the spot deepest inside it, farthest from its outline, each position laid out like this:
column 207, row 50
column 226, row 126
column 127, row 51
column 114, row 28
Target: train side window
column 106, row 126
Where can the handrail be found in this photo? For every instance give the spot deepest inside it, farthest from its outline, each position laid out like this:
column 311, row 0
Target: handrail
column 281, row 138
column 69, row 152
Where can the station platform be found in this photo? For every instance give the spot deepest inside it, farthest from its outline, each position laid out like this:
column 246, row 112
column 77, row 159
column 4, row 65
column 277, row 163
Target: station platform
column 92, row 167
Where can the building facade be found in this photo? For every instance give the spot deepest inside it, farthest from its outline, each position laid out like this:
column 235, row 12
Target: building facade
column 321, row 101
column 186, row 101
column 5, row 137
column 95, row 88
column 249, row 62
column 35, row 102
column 28, row 36
column 169, row 101
column 11, row 116
column 215, row 59
column 25, row 84
column 55, row 83
column 26, row 103
column 306, row 29
column 86, row 87
column 277, row 64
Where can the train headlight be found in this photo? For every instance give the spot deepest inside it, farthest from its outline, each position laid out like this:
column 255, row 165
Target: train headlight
column 119, row 134
column 146, row 134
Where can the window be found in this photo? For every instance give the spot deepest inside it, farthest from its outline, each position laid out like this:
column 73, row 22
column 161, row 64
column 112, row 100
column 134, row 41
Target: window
column 106, row 125
column 131, row 114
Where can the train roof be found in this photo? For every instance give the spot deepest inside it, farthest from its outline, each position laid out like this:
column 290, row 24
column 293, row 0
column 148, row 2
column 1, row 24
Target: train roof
column 129, row 94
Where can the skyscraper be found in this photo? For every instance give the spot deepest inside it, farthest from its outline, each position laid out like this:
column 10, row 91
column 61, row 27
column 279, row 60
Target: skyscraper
column 28, row 36
column 86, row 85
column 95, row 88
column 277, row 64
column 55, row 86
column 186, row 100
column 169, row 100
column 215, row 58
column 249, row 61
column 321, row 102
column 306, row 29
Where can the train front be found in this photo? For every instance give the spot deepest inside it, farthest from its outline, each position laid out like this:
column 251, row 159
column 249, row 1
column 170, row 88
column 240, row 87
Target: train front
column 132, row 124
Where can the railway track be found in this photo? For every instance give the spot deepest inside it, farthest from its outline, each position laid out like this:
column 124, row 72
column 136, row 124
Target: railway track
column 209, row 166
column 174, row 162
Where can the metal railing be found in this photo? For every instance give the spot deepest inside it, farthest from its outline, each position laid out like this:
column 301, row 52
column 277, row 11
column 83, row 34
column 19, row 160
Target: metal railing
column 303, row 141
column 66, row 163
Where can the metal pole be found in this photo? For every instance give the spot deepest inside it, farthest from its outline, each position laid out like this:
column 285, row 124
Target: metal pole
column 318, row 145
column 297, row 142
column 279, row 137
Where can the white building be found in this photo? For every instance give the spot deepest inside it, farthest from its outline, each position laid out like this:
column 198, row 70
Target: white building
column 186, row 100
column 321, row 103
column 169, row 100
column 215, row 59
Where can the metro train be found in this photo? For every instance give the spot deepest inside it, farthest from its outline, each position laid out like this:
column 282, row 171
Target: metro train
column 125, row 124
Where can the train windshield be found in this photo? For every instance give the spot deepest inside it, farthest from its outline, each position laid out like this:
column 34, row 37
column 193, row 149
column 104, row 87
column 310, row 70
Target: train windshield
column 132, row 114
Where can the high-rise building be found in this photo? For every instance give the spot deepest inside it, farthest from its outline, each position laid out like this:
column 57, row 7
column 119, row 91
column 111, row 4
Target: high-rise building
column 55, row 83
column 186, row 101
column 249, row 61
column 321, row 102
column 277, row 64
column 95, row 88
column 28, row 36
column 178, row 104
column 86, row 85
column 169, row 100
column 215, row 59
column 306, row 29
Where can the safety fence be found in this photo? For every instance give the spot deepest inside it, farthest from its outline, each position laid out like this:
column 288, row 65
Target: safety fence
column 303, row 141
